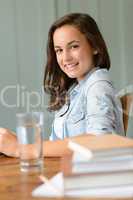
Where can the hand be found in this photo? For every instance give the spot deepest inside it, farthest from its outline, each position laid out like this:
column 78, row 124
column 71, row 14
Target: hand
column 8, row 143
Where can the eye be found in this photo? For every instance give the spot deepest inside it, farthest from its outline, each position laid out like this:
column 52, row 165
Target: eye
column 58, row 51
column 74, row 46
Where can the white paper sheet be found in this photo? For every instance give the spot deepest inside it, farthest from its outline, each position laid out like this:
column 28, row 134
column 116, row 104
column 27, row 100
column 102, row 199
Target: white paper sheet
column 45, row 190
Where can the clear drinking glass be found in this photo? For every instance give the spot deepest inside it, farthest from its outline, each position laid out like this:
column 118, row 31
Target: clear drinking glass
column 29, row 135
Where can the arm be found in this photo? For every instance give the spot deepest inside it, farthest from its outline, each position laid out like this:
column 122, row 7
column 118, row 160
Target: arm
column 9, row 145
column 101, row 109
column 55, row 148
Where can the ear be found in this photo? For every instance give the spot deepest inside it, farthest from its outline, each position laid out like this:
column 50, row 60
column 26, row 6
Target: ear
column 95, row 52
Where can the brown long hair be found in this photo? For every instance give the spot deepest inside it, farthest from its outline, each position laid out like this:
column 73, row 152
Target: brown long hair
column 56, row 82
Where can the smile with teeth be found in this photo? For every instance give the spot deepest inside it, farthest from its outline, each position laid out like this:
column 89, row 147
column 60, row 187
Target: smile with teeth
column 71, row 66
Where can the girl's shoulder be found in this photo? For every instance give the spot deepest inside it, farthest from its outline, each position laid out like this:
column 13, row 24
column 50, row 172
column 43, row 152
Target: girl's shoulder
column 98, row 76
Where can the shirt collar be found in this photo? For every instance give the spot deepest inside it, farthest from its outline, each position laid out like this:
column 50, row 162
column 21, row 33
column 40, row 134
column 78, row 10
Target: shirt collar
column 88, row 75
column 76, row 87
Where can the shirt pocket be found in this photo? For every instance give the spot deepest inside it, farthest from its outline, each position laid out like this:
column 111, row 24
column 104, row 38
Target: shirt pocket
column 75, row 118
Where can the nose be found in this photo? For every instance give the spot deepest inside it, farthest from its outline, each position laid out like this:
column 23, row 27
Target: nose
column 67, row 56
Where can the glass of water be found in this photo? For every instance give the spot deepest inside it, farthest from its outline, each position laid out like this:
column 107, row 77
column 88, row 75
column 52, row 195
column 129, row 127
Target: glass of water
column 29, row 135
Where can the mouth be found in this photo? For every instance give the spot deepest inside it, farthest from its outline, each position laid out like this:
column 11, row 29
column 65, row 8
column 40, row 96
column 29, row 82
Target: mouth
column 71, row 66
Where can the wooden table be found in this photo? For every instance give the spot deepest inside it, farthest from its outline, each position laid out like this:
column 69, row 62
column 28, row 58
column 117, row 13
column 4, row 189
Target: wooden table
column 16, row 185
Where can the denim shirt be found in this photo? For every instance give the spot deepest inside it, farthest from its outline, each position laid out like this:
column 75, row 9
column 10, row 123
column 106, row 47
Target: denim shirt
column 94, row 108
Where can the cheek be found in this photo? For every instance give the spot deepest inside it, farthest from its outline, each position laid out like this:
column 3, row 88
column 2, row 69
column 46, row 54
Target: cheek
column 58, row 60
column 87, row 57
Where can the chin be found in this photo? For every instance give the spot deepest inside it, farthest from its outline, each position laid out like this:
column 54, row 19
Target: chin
column 71, row 76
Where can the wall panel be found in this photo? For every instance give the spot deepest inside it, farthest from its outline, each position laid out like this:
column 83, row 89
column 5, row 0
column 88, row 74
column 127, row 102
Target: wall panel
column 8, row 64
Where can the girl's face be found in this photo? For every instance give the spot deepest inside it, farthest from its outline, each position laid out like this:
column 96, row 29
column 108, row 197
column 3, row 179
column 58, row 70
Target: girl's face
column 73, row 52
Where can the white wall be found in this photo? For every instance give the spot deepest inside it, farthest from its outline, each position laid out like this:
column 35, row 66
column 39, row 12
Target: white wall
column 24, row 25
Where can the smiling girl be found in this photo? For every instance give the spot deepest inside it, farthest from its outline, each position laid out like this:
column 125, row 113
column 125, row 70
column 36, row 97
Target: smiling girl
column 77, row 80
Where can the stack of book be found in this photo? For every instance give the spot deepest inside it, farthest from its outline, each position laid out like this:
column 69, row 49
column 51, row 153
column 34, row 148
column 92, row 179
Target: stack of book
column 109, row 163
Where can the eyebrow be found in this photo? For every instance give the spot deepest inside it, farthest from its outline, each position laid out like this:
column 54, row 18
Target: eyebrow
column 69, row 43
